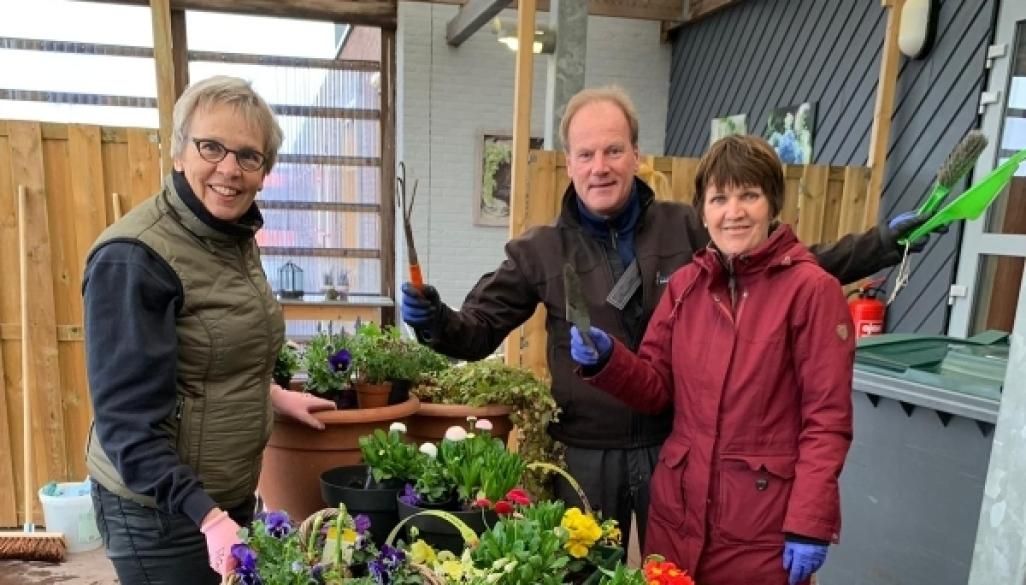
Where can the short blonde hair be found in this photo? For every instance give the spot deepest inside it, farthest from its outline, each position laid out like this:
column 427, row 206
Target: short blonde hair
column 233, row 91
column 613, row 94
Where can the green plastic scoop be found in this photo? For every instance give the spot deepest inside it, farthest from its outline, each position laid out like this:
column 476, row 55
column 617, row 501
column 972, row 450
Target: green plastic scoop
column 974, row 201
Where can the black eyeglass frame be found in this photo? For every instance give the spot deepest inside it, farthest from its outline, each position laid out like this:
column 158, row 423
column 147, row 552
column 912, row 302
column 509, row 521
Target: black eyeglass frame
column 225, row 151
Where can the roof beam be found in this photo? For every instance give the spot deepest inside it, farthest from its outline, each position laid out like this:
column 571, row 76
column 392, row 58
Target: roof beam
column 472, row 16
column 640, row 9
column 367, row 12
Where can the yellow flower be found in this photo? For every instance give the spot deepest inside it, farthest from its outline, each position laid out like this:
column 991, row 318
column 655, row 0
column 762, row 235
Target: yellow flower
column 349, row 535
column 453, row 569
column 576, row 549
column 422, row 553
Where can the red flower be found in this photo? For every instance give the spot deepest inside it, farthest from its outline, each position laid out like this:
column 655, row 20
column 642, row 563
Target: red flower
column 482, row 503
column 518, row 497
column 503, row 508
column 666, row 573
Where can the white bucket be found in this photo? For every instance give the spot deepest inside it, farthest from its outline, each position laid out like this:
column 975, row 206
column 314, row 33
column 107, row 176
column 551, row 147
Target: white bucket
column 73, row 515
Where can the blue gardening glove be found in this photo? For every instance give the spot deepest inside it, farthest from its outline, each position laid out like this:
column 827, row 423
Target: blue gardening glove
column 420, row 307
column 585, row 355
column 802, row 559
column 905, row 223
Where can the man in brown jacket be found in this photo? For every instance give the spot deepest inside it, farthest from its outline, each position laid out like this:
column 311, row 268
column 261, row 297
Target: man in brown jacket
column 624, row 246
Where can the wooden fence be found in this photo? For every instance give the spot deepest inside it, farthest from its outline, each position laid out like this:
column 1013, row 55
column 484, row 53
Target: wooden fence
column 71, row 173
column 822, row 203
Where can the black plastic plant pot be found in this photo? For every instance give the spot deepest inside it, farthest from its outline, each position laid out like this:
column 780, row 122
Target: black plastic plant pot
column 400, row 391
column 346, row 485
column 439, row 533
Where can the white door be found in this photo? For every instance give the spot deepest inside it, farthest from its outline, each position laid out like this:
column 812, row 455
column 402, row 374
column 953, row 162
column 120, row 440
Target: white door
column 990, row 268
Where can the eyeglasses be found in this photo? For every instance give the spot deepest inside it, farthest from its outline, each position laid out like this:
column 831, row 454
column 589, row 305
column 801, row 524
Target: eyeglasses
column 214, row 152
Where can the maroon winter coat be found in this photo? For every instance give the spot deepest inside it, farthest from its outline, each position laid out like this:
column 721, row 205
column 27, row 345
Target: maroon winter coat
column 762, row 409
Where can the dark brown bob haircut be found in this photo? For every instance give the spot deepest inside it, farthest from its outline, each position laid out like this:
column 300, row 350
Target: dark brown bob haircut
column 741, row 160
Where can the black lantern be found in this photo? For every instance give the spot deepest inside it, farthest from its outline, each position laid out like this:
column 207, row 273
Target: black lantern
column 290, row 279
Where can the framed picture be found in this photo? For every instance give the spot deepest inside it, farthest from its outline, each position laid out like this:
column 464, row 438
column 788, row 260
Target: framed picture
column 727, row 125
column 790, row 132
column 494, row 172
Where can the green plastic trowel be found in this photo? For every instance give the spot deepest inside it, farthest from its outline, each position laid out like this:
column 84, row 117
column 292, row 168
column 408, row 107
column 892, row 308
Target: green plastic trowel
column 974, row 201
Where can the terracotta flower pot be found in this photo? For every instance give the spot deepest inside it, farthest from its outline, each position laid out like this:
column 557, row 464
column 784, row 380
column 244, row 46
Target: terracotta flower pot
column 372, row 395
column 430, row 422
column 297, row 455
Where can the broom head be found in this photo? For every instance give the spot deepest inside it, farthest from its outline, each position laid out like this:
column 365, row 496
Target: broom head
column 33, row 546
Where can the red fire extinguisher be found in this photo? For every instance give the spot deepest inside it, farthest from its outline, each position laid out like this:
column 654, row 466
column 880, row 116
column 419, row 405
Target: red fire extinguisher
column 867, row 311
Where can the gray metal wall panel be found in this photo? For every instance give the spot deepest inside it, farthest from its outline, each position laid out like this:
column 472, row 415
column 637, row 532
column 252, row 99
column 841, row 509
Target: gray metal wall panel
column 764, row 54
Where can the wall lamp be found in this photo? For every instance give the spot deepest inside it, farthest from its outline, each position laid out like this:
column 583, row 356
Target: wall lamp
column 506, row 31
column 918, row 27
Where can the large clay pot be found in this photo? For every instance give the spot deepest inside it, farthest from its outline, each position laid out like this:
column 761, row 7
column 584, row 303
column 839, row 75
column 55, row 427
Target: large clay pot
column 431, row 420
column 297, row 455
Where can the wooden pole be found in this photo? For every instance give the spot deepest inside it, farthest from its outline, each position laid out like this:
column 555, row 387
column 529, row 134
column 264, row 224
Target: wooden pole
column 387, row 105
column 179, row 52
column 879, row 140
column 160, row 12
column 522, row 104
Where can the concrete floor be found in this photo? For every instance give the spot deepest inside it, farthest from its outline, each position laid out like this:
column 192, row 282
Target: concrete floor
column 88, row 568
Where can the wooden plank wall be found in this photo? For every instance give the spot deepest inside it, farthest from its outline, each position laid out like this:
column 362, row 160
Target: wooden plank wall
column 71, row 172
column 823, row 203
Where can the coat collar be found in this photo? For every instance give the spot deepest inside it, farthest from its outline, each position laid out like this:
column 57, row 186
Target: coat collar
column 570, row 215
column 781, row 250
column 198, row 220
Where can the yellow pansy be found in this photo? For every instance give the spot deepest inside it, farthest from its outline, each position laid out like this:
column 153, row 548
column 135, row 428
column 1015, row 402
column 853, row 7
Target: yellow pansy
column 422, row 553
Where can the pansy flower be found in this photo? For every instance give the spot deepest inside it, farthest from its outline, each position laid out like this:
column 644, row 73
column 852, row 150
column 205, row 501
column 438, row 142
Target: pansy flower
column 340, row 360
column 410, row 497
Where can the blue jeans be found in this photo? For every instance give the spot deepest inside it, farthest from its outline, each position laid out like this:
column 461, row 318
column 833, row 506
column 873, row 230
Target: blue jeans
column 151, row 547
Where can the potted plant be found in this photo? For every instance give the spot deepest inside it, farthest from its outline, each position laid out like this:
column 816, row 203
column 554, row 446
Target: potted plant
column 479, row 473
column 296, row 454
column 286, row 364
column 327, row 360
column 504, row 395
column 385, row 364
column 389, row 463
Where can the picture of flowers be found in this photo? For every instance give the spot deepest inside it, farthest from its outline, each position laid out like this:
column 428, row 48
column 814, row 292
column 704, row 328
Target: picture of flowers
column 728, row 125
column 790, row 132
column 491, row 203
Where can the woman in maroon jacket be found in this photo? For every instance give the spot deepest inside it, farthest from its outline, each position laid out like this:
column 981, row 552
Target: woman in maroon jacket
column 753, row 345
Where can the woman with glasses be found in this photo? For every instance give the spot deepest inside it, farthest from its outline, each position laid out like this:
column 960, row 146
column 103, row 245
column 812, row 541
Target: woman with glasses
column 182, row 331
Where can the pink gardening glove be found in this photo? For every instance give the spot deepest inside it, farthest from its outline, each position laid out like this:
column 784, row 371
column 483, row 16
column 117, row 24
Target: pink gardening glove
column 299, row 405
column 221, row 533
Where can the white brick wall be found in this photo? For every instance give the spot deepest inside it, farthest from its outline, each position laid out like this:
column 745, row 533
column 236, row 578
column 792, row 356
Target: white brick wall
column 446, row 98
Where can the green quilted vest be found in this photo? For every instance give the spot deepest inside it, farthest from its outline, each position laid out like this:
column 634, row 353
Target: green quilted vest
column 230, row 329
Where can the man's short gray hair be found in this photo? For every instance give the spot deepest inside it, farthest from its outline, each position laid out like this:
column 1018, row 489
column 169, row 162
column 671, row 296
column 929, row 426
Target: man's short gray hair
column 233, row 91
column 613, row 94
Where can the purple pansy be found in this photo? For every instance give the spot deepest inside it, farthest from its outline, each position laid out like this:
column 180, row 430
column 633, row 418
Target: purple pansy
column 388, row 559
column 277, row 524
column 410, row 496
column 339, row 360
column 317, row 573
column 246, row 569
column 362, row 523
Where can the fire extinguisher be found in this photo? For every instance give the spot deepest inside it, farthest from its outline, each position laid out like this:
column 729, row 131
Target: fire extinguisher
column 867, row 311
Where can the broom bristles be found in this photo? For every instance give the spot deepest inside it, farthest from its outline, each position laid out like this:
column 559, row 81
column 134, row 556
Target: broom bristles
column 962, row 159
column 33, row 546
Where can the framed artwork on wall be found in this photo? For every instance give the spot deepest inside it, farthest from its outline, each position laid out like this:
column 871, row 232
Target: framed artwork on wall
column 790, row 131
column 494, row 175
column 728, row 125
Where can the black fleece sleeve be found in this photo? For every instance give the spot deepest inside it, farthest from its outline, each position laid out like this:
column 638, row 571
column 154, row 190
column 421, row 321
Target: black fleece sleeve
column 131, row 299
